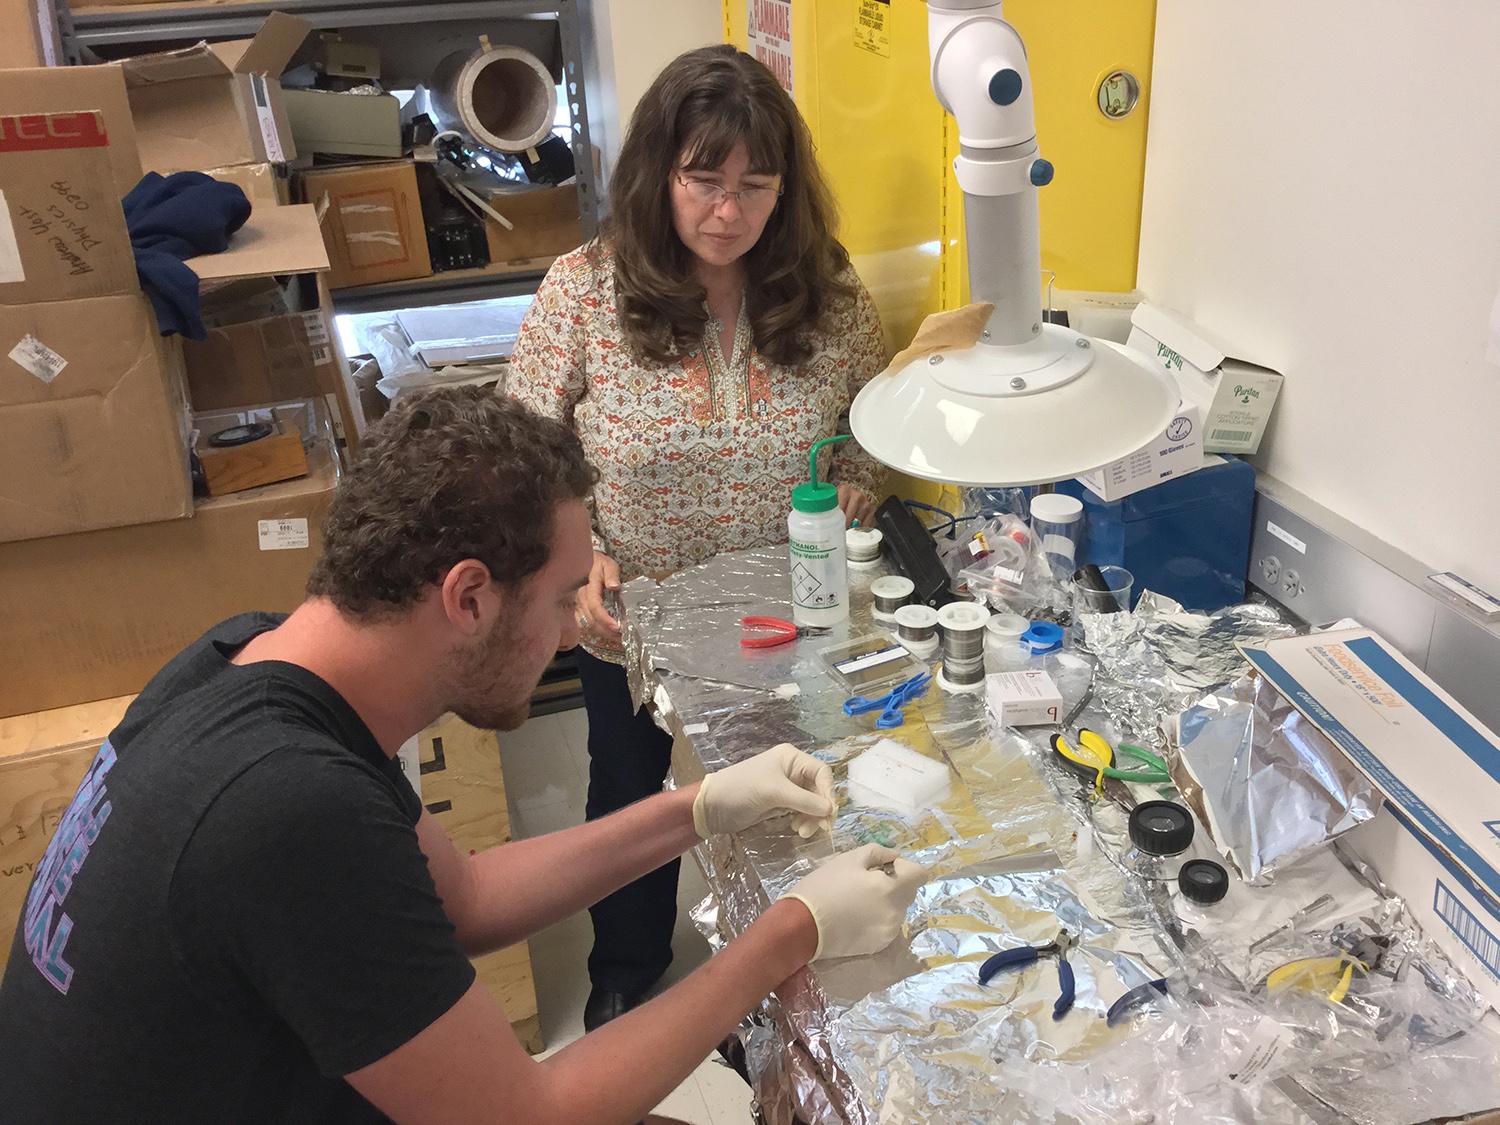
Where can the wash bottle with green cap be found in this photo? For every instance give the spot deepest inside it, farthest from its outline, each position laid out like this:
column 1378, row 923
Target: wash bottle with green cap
column 815, row 530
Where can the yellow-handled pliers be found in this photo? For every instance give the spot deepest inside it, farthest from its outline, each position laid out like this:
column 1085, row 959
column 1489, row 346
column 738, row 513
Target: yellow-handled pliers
column 1094, row 755
column 1329, row 976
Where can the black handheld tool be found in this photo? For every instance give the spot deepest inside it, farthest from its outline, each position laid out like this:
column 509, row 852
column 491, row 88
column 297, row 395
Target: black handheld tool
column 910, row 549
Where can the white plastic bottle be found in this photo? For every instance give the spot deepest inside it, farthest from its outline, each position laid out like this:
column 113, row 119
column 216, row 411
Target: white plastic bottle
column 815, row 535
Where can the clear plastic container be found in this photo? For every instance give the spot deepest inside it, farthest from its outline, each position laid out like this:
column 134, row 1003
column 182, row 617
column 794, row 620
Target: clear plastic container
column 1101, row 589
column 1003, row 651
column 1057, row 521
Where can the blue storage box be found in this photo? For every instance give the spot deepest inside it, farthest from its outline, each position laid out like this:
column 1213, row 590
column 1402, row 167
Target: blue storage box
column 1188, row 537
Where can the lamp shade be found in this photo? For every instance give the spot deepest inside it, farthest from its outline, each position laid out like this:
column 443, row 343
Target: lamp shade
column 1011, row 416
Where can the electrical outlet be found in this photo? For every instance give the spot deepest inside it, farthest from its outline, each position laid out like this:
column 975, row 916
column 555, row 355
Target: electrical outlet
column 1270, row 569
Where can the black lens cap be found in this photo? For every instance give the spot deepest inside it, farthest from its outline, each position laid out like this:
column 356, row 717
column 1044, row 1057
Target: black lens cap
column 1161, row 828
column 1203, row 881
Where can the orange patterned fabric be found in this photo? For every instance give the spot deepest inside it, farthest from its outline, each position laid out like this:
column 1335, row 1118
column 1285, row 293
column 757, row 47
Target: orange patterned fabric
column 698, row 457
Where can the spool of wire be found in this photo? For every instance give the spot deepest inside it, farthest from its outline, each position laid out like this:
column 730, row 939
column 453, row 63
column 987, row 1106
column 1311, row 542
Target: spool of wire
column 862, row 547
column 963, row 646
column 890, row 594
column 917, row 629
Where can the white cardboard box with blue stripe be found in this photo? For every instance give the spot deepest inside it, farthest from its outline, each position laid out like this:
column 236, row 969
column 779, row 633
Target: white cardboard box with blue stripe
column 1436, row 843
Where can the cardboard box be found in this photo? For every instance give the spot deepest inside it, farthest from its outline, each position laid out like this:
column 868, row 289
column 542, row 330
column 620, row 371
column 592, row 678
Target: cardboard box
column 1438, row 768
column 62, row 229
column 1023, row 699
column 1178, row 450
column 343, row 59
column 344, row 124
column 545, row 220
column 20, row 46
column 97, row 615
column 215, row 104
column 373, row 223
column 1234, row 395
column 260, row 362
column 43, row 757
column 92, row 419
column 60, row 88
column 275, row 241
column 455, row 769
column 264, row 185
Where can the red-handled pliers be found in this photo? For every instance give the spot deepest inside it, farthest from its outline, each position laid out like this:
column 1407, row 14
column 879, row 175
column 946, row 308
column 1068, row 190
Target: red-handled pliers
column 775, row 631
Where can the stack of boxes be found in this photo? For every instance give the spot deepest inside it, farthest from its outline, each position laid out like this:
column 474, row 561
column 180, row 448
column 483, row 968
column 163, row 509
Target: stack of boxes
column 1177, row 513
column 108, row 566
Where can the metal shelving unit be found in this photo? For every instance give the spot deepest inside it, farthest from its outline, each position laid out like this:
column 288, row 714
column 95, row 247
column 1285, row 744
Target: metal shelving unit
column 145, row 26
column 84, row 32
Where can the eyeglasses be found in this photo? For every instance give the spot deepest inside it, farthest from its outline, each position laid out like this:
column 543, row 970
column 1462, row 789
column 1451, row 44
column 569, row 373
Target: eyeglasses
column 711, row 194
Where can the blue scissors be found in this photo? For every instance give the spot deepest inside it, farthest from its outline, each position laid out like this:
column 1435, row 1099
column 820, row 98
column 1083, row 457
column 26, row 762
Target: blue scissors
column 890, row 705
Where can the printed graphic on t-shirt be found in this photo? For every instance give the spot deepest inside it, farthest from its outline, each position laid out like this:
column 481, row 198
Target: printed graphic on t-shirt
column 47, row 926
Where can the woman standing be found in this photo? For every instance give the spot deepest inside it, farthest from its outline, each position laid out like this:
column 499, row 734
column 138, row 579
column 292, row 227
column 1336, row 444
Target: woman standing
column 712, row 333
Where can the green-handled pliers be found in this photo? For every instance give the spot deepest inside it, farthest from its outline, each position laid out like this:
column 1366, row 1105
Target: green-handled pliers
column 1096, row 757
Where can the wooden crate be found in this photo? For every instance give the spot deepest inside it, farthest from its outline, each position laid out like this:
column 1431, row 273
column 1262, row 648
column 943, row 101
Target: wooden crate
column 462, row 786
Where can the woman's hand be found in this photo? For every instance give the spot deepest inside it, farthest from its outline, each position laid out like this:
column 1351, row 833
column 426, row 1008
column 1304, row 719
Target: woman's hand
column 856, row 505
column 594, row 617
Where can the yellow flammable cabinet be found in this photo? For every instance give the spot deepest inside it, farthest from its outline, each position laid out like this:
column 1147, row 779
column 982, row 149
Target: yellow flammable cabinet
column 860, row 75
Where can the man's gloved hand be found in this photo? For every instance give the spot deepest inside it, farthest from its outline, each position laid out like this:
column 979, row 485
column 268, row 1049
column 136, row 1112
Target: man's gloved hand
column 782, row 779
column 857, row 904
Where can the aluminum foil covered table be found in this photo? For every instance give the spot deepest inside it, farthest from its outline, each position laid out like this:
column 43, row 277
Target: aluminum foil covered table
column 1018, row 852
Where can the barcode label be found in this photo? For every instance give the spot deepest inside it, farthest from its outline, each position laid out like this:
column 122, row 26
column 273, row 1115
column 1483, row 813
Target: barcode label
column 284, row 535
column 275, row 153
column 1231, row 435
column 37, row 358
column 1468, row 928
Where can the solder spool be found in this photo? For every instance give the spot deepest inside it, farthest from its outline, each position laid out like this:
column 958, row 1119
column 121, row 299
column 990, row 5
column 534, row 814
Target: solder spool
column 963, row 645
column 890, row 594
column 862, row 547
column 917, row 629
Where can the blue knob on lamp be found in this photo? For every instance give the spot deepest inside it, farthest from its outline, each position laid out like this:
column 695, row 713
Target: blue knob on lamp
column 1041, row 172
column 1005, row 86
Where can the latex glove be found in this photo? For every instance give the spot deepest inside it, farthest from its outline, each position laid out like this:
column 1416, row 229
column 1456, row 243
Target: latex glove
column 781, row 779
column 857, row 905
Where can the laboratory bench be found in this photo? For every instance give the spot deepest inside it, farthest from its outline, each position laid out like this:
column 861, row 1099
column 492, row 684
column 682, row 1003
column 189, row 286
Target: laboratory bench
column 1022, row 850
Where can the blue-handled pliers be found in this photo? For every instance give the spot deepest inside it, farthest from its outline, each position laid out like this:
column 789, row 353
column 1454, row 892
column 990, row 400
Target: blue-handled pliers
column 1028, row 954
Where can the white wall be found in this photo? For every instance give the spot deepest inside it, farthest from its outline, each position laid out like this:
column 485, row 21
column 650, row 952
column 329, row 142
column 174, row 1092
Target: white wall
column 1323, row 192
column 633, row 40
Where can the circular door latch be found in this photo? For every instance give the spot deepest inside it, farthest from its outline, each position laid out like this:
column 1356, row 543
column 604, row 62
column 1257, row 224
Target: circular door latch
column 1119, row 93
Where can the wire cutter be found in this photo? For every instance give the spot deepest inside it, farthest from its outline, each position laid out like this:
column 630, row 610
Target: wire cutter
column 775, row 631
column 1329, row 976
column 1094, row 755
column 1028, row 954
column 891, row 705
column 1138, row 996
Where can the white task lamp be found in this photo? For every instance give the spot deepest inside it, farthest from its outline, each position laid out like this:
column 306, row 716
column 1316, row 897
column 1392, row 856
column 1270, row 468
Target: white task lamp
column 1029, row 403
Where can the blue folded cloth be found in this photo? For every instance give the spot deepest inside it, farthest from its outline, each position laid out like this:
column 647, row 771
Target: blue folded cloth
column 172, row 218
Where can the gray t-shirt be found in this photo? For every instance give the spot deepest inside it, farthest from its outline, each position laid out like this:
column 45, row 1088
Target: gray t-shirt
column 233, row 913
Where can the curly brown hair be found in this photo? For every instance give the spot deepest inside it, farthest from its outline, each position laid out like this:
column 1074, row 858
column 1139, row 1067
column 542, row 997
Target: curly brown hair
column 450, row 474
column 691, row 117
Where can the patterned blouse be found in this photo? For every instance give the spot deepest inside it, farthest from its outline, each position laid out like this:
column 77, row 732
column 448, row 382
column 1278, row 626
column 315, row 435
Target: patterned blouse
column 699, row 456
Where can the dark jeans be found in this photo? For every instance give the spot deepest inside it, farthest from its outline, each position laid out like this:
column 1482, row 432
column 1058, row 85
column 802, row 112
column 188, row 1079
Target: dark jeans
column 628, row 760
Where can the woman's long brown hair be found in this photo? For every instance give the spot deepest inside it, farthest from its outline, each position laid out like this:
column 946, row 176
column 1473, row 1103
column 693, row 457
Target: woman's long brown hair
column 690, row 118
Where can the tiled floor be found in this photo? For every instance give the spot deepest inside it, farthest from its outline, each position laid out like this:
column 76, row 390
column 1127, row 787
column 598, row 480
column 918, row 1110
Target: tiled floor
column 546, row 776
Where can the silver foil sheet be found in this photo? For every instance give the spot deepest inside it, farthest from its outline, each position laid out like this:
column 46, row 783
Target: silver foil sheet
column 1019, row 849
column 1265, row 781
